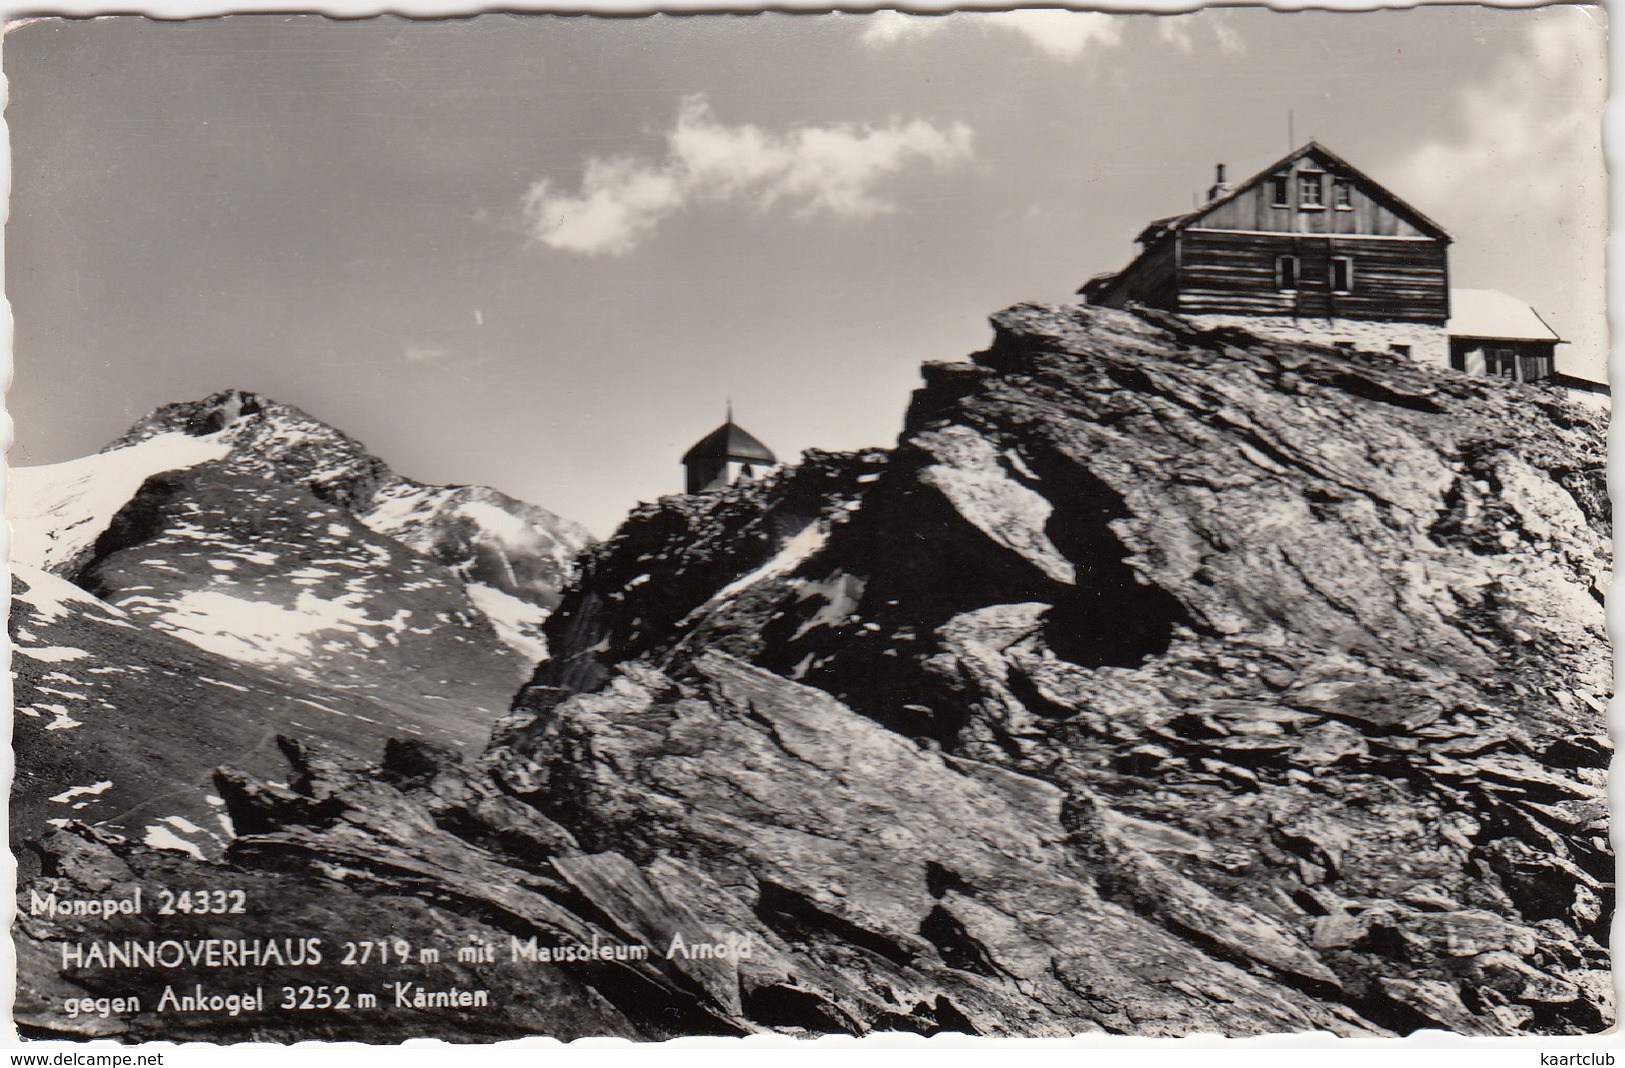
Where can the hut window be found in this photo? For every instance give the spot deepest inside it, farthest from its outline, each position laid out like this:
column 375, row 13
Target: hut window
column 1278, row 191
column 1342, row 194
column 1403, row 350
column 1501, row 363
column 1342, row 274
column 1309, row 191
column 1286, row 272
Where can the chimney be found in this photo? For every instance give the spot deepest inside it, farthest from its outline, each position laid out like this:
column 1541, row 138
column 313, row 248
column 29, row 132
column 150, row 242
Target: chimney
column 1220, row 186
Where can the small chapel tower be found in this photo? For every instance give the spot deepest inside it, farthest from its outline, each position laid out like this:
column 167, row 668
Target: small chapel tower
column 725, row 456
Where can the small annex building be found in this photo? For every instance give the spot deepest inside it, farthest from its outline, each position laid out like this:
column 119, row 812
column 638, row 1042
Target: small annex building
column 1492, row 333
column 1312, row 249
column 727, row 455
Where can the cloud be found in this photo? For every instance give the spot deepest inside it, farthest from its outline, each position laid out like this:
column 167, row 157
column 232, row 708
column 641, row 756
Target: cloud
column 1059, row 34
column 1536, row 117
column 1181, row 31
column 1063, row 35
column 426, row 353
column 1524, row 163
column 808, row 170
column 888, row 27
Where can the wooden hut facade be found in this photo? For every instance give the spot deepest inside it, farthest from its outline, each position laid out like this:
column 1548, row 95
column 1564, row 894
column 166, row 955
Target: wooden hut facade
column 1311, row 248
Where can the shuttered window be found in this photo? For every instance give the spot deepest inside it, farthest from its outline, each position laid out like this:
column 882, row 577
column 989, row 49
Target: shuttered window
column 1534, row 368
column 1286, row 272
column 1342, row 274
column 1524, row 367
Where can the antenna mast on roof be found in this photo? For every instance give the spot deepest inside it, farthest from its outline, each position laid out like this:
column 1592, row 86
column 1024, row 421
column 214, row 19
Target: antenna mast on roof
column 730, row 410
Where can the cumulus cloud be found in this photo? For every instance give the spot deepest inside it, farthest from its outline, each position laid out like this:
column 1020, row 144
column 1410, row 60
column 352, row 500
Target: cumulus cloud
column 1187, row 32
column 426, row 353
column 1532, row 125
column 1537, row 116
column 808, row 170
column 889, row 27
column 1059, row 34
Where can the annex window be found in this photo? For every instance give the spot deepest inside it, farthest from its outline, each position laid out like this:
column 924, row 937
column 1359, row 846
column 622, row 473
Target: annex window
column 1279, row 188
column 1402, row 350
column 1342, row 274
column 1342, row 194
column 1534, row 368
column 1309, row 190
column 1501, row 363
column 1286, row 272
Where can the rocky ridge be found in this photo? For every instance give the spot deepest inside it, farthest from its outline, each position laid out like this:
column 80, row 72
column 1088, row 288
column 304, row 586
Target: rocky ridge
column 1160, row 681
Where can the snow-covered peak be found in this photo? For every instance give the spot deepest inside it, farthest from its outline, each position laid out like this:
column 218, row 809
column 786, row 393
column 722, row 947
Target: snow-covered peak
column 57, row 511
column 276, row 440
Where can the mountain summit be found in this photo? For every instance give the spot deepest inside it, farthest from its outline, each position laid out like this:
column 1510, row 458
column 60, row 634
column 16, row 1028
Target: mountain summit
column 242, row 546
column 488, row 538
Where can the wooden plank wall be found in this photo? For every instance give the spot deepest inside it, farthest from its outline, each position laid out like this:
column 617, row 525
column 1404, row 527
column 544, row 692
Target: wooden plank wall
column 1403, row 281
column 1253, row 209
column 1148, row 280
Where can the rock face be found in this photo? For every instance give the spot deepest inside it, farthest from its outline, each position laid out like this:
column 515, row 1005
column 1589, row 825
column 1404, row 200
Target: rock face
column 1322, row 631
column 1160, row 681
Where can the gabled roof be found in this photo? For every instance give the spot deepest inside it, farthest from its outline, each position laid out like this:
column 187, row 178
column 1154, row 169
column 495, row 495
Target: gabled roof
column 1325, row 156
column 1489, row 313
column 730, row 442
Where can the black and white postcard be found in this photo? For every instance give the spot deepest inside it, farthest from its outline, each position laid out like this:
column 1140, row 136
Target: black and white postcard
column 1025, row 523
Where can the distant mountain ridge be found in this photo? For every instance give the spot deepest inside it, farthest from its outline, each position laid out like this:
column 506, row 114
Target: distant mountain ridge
column 483, row 534
column 236, row 569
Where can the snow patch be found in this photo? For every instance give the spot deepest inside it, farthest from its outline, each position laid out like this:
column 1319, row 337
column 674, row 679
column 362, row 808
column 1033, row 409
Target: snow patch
column 806, row 542
column 260, row 632
column 81, row 791
column 52, row 598
column 51, row 654
column 841, row 593
column 518, row 623
column 161, row 837
column 182, row 824
column 59, row 510
column 62, row 721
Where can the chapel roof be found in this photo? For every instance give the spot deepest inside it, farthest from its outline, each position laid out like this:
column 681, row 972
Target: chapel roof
column 730, row 442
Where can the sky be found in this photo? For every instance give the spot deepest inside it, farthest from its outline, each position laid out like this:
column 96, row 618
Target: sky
column 543, row 253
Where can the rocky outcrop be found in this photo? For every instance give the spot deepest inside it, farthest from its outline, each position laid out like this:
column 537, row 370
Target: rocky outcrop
column 874, row 884
column 1160, row 681
column 1335, row 618
column 673, row 567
